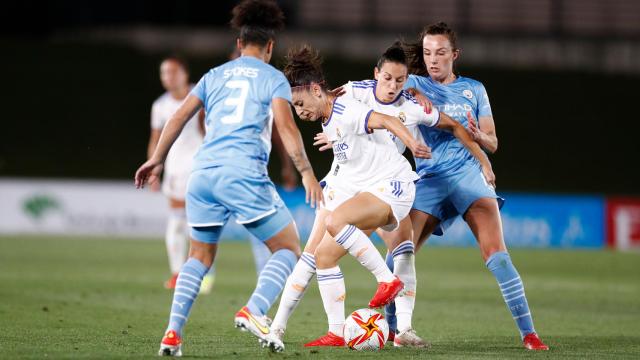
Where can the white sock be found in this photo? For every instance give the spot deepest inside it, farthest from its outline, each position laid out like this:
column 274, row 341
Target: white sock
column 176, row 239
column 332, row 291
column 404, row 267
column 360, row 246
column 294, row 289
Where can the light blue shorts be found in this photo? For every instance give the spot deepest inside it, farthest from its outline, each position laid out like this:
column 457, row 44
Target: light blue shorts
column 447, row 196
column 215, row 193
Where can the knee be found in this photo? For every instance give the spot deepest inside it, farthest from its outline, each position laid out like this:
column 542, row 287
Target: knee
column 203, row 254
column 323, row 260
column 334, row 224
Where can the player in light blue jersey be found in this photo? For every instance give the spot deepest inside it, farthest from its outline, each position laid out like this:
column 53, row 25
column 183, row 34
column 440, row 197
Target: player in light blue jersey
column 451, row 182
column 230, row 171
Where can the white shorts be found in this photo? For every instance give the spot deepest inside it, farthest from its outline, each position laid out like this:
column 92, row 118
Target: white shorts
column 174, row 184
column 398, row 194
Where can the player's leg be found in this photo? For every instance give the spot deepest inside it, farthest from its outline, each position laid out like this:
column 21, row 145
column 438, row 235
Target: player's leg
column 477, row 200
column 176, row 239
column 300, row 277
column 201, row 256
column 399, row 313
column 261, row 253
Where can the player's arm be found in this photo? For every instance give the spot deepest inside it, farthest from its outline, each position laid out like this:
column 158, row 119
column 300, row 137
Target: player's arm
column 201, row 126
column 292, row 140
column 378, row 120
column 486, row 137
column 288, row 173
column 459, row 131
column 150, row 171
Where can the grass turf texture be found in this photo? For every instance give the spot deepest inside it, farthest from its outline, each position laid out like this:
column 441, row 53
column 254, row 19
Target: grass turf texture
column 103, row 298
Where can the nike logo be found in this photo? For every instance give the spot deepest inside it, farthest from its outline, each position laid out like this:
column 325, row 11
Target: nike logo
column 263, row 329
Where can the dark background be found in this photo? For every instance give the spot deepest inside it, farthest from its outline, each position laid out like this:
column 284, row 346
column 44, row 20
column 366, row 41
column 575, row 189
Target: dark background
column 76, row 109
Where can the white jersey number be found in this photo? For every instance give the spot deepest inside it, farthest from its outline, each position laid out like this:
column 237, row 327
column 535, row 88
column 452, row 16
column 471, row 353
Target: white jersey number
column 238, row 102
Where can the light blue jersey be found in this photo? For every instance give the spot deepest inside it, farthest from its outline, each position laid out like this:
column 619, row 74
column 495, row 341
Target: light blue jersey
column 455, row 99
column 237, row 100
column 452, row 180
column 230, row 169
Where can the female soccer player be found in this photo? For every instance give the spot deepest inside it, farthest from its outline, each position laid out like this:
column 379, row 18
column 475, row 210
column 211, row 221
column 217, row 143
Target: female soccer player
column 357, row 181
column 230, row 170
column 451, row 183
column 384, row 95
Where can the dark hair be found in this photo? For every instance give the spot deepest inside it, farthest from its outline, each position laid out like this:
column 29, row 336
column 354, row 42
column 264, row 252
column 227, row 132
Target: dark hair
column 304, row 67
column 179, row 60
column 394, row 53
column 414, row 50
column 257, row 21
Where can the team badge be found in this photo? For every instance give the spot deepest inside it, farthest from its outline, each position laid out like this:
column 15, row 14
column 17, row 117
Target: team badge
column 468, row 94
column 338, row 132
column 331, row 195
column 402, row 116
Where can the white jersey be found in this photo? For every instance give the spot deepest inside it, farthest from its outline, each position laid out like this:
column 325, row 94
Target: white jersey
column 404, row 107
column 180, row 157
column 362, row 157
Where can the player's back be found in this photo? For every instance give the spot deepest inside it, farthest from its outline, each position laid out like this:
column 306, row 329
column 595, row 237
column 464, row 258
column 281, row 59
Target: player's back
column 237, row 100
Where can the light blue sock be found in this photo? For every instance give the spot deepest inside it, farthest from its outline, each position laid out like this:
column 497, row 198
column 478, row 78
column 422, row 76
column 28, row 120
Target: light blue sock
column 390, row 310
column 261, row 253
column 512, row 290
column 271, row 281
column 187, row 288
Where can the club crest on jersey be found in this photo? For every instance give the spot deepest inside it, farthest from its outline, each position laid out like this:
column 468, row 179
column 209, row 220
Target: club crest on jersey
column 467, row 93
column 338, row 132
column 331, row 195
column 402, row 116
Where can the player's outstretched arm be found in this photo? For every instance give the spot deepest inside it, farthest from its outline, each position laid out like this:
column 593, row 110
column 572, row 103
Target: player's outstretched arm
column 150, row 171
column 459, row 131
column 381, row 121
column 292, row 140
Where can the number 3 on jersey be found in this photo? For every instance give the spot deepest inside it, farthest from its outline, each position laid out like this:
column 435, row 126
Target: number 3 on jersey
column 237, row 101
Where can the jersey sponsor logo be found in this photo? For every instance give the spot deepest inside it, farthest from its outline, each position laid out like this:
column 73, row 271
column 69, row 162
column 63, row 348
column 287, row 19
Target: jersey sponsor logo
column 455, row 110
column 241, row 71
column 467, row 93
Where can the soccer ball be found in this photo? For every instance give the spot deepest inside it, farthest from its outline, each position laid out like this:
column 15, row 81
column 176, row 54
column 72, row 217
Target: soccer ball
column 366, row 329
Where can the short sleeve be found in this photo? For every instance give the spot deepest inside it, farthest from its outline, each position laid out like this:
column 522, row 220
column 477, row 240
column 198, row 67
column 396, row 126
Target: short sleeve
column 411, row 82
column 484, row 107
column 157, row 120
column 199, row 90
column 281, row 88
column 417, row 116
column 353, row 116
column 348, row 90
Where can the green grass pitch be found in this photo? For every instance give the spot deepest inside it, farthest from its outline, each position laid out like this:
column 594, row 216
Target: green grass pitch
column 103, row 298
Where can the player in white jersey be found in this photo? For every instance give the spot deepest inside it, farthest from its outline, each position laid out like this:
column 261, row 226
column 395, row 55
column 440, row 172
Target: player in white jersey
column 380, row 184
column 383, row 95
column 174, row 76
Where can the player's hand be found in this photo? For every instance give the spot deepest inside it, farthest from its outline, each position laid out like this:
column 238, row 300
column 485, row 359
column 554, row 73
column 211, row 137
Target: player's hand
column 312, row 189
column 422, row 100
column 149, row 172
column 337, row 92
column 289, row 178
column 322, row 140
column 420, row 150
column 472, row 128
column 487, row 171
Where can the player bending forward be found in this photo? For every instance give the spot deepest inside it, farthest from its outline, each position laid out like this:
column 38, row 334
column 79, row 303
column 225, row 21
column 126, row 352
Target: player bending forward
column 384, row 95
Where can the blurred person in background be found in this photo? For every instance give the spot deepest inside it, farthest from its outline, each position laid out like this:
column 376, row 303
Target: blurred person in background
column 452, row 182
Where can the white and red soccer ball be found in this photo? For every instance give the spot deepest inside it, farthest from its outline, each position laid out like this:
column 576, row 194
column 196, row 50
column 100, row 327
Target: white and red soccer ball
column 366, row 329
